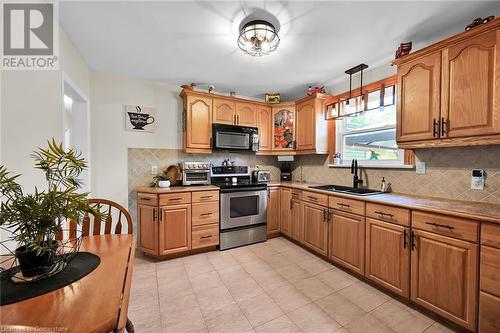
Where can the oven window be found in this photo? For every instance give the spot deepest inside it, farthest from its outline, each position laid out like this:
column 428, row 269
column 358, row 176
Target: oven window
column 244, row 206
column 196, row 176
column 233, row 140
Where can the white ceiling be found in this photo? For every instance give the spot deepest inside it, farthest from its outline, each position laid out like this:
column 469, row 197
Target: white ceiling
column 195, row 41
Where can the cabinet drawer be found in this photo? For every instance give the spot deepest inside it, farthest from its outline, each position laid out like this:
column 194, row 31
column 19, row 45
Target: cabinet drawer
column 203, row 196
column 203, row 236
column 490, row 235
column 317, row 198
column 296, row 194
column 205, row 213
column 388, row 213
column 347, row 205
column 446, row 225
column 147, row 199
column 490, row 270
column 489, row 313
column 175, row 198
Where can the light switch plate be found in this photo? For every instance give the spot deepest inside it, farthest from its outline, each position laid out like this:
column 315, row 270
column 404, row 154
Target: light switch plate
column 477, row 179
column 154, row 169
column 420, row 168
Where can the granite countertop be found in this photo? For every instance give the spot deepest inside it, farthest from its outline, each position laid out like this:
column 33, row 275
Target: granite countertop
column 481, row 211
column 175, row 189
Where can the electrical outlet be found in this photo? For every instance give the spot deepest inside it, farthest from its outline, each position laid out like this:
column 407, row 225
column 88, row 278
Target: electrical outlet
column 420, row 168
column 154, row 169
column 477, row 179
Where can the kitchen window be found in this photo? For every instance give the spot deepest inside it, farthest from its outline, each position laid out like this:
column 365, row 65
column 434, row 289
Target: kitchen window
column 369, row 136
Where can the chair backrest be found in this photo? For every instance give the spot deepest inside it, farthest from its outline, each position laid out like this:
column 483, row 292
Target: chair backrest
column 116, row 214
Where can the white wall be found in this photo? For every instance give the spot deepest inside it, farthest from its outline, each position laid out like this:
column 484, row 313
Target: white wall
column 73, row 64
column 372, row 74
column 110, row 141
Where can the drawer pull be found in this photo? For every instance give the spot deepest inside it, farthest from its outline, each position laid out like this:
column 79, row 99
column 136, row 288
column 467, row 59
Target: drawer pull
column 384, row 214
column 440, row 225
column 206, row 236
column 206, row 214
column 343, row 204
column 312, row 198
column 206, row 197
column 145, row 199
column 174, row 199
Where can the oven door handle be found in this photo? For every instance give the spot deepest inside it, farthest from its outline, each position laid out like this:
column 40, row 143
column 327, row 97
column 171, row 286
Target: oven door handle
column 243, row 189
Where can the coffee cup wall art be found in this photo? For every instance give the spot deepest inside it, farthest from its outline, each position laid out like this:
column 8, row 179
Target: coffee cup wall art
column 140, row 118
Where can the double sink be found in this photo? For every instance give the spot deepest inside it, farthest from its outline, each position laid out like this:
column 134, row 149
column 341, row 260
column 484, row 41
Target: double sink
column 346, row 189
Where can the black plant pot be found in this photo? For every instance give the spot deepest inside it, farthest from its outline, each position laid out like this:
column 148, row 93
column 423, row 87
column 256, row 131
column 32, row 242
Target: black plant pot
column 33, row 264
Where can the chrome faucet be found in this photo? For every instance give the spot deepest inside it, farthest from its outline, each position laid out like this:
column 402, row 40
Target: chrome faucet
column 354, row 171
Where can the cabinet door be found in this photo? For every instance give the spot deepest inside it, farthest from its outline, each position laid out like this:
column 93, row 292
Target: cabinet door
column 297, row 220
column 273, row 212
column 246, row 114
column 316, row 227
column 388, row 256
column 147, row 220
column 198, row 122
column 306, row 126
column 347, row 240
column 489, row 313
column 285, row 208
column 175, row 228
column 470, row 88
column 444, row 276
column 418, row 99
column 264, row 121
column 224, row 112
column 283, row 128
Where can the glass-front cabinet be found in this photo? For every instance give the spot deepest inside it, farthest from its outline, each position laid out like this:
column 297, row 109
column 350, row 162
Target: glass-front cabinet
column 283, row 127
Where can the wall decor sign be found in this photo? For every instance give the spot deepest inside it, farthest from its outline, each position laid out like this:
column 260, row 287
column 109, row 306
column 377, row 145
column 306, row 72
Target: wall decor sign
column 140, row 118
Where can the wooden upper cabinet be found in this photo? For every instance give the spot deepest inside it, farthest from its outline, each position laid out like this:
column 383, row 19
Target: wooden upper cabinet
column 273, row 212
column 224, row 111
column 283, row 128
column 147, row 220
column 246, row 114
column 316, row 227
column 198, row 124
column 306, row 126
column 418, row 103
column 264, row 122
column 444, row 276
column 286, row 211
column 470, row 103
column 175, row 228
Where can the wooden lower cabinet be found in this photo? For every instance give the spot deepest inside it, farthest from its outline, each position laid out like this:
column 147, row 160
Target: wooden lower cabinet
column 388, row 256
column 273, row 212
column 489, row 313
column 175, row 229
column 316, row 227
column 297, row 220
column 286, row 211
column 444, row 276
column 347, row 240
column 147, row 219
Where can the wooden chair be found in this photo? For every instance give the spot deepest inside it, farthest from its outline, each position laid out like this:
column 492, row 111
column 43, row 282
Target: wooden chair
column 94, row 226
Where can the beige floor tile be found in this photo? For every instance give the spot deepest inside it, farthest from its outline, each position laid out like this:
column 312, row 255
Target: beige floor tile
column 233, row 274
column 185, row 321
column 143, row 297
column 243, row 289
column 315, row 266
column 340, row 308
column 227, row 319
column 174, row 288
column 269, row 280
column 289, row 298
column 281, row 324
column 222, row 261
column 205, row 281
column 293, row 273
column 263, row 250
column 176, row 306
column 172, row 266
column 198, row 267
column 146, row 319
column 213, row 299
column 168, row 273
column 311, row 319
column 439, row 328
column 367, row 323
column 336, row 279
column 277, row 261
column 400, row 319
column 243, row 255
column 364, row 296
column 256, row 267
column 260, row 309
column 313, row 288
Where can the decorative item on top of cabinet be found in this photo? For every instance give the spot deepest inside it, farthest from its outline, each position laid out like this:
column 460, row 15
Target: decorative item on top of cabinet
column 283, row 127
column 197, row 122
column 448, row 91
column 273, row 98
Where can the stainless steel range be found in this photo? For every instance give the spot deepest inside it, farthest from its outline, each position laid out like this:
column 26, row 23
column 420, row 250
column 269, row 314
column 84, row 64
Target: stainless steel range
column 243, row 206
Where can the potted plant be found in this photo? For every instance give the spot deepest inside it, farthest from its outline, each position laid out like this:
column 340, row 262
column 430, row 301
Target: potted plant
column 33, row 219
column 161, row 180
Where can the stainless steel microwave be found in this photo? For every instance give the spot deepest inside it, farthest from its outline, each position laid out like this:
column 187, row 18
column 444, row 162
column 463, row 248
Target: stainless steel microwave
column 230, row 137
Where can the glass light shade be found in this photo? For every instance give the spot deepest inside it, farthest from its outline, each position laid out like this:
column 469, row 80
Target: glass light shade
column 258, row 38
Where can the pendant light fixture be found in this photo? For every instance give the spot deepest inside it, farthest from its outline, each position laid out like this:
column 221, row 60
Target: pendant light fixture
column 258, row 38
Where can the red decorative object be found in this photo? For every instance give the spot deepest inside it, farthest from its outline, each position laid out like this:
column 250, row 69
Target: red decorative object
column 403, row 49
column 315, row 90
column 478, row 22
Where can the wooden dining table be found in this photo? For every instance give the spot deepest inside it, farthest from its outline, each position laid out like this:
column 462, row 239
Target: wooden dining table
column 96, row 303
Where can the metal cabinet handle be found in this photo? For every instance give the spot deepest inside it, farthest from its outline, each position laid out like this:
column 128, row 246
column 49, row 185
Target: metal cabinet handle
column 237, row 119
column 435, row 130
column 443, row 127
column 440, row 225
column 206, row 214
column 154, row 215
column 324, row 215
column 145, row 199
column 160, row 214
column 291, row 204
column 412, row 241
column 312, row 198
column 174, row 199
column 384, row 214
column 404, row 239
column 343, row 204
column 206, row 236
column 206, row 197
